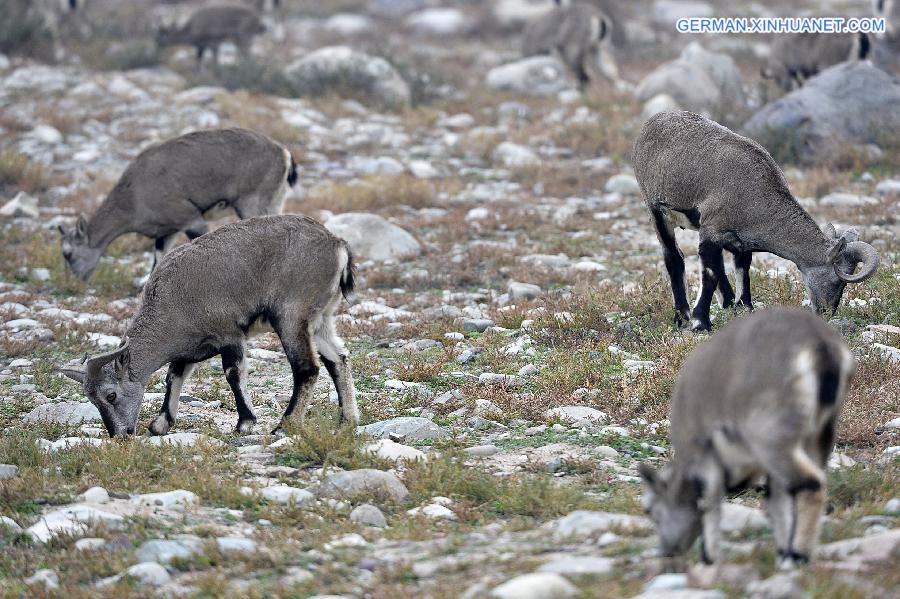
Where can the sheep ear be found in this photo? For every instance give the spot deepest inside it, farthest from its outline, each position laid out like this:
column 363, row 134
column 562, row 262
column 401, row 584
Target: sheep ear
column 81, row 225
column 604, row 29
column 73, row 373
column 61, row 230
column 830, row 231
column 850, row 235
column 835, row 252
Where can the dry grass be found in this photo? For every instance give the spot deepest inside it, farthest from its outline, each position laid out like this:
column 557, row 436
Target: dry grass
column 18, row 171
column 371, row 194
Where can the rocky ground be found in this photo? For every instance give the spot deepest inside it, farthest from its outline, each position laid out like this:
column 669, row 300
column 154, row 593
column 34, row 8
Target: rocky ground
column 512, row 349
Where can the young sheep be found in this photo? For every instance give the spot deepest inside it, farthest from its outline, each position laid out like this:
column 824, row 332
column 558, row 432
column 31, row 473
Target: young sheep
column 574, row 32
column 210, row 26
column 286, row 272
column 174, row 186
column 761, row 397
column 695, row 173
column 797, row 57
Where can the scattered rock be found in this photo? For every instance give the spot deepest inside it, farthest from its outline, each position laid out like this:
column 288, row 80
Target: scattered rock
column 8, row 471
column 163, row 551
column 513, row 155
column 72, row 520
column 624, row 184
column 284, row 495
column 236, row 545
column 368, row 515
column 337, row 68
column 372, row 237
column 585, row 523
column 410, row 428
column 45, row 578
column 437, row 21
column 738, row 518
column 538, row 585
column 579, row 565
column 94, row 495
column 850, row 105
column 22, row 205
column 177, row 500
column 572, row 414
column 367, row 481
column 67, row 412
column 525, row 291
column 535, row 76
column 389, row 450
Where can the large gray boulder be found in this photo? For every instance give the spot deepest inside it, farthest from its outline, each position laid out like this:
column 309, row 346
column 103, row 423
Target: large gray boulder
column 535, row 76
column 851, row 106
column 719, row 67
column 688, row 84
column 343, row 70
column 372, row 237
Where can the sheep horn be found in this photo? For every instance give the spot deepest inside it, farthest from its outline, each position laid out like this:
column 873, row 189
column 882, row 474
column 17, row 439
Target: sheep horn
column 93, row 366
column 859, row 251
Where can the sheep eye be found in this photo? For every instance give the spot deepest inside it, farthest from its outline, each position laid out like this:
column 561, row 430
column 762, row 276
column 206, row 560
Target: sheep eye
column 111, row 397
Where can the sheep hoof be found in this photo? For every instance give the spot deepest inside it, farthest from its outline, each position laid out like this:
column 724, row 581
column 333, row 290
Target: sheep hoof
column 681, row 320
column 699, row 325
column 159, row 426
column 245, row 427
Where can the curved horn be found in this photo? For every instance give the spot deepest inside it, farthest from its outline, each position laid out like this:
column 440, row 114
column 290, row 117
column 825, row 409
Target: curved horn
column 859, row 251
column 92, row 367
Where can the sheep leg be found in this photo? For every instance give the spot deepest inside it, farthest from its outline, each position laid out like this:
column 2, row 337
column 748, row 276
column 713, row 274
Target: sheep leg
column 674, row 261
column 234, row 364
column 798, row 487
column 337, row 362
column 780, row 508
column 712, row 269
column 710, row 503
column 200, row 50
column 301, row 354
column 742, row 262
column 175, row 378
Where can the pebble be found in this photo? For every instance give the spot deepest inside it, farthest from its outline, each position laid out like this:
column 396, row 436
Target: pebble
column 284, row 495
column 368, row 515
column 45, row 578
column 537, row 585
column 8, row 471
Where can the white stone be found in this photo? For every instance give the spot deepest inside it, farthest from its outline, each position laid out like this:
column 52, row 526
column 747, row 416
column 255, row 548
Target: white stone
column 236, row 545
column 512, row 155
column 71, row 520
column 434, row 511
column 847, row 200
column 585, row 523
column 667, row 582
column 368, row 515
column 47, row 134
column 347, row 23
column 389, row 450
column 284, row 494
column 372, row 237
column 10, row 523
column 535, row 76
column 94, row 495
column 537, row 585
column 624, row 184
column 46, row 578
column 22, row 205
column 437, row 21
column 740, row 518
column 572, row 414
column 185, row 439
column 178, row 499
column 89, row 544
